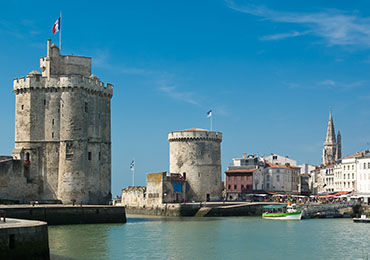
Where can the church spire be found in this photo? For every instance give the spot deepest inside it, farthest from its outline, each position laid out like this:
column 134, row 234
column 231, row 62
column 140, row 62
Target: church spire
column 330, row 153
column 330, row 133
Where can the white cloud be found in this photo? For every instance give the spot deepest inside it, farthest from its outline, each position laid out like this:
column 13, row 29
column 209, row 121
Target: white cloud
column 335, row 27
column 327, row 82
column 172, row 91
column 280, row 36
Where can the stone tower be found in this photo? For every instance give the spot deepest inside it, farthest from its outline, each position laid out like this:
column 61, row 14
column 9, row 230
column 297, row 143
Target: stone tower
column 332, row 149
column 197, row 152
column 62, row 130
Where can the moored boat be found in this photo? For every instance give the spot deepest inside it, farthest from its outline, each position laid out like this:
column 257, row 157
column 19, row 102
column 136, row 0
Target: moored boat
column 362, row 219
column 281, row 212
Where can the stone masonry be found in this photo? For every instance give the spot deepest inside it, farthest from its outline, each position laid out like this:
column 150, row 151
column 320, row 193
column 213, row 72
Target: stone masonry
column 62, row 134
column 197, row 153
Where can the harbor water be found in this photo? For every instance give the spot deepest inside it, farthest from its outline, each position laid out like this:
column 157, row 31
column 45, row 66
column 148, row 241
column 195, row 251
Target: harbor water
column 212, row 238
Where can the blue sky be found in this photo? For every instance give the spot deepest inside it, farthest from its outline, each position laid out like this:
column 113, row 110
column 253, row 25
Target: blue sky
column 269, row 70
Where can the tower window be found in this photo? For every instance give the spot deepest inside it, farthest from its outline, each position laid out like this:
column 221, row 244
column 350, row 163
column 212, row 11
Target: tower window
column 22, row 106
column 44, row 102
column 52, row 121
column 52, row 135
column 99, row 156
column 89, row 156
column 86, row 107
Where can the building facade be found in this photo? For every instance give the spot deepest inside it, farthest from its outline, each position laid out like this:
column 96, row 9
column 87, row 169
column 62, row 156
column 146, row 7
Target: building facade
column 62, row 133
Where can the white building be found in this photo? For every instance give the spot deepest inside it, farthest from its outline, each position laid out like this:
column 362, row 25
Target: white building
column 363, row 175
column 278, row 159
column 282, row 178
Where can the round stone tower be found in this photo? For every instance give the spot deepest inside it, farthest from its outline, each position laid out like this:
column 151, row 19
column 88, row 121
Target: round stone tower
column 197, row 153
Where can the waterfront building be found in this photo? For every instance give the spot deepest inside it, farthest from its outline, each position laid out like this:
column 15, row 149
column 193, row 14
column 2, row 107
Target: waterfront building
column 363, row 176
column 347, row 173
column 62, row 134
column 332, row 150
column 283, row 178
column 278, row 159
column 241, row 176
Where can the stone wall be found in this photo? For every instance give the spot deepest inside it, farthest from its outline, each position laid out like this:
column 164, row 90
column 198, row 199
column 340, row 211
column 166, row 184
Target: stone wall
column 22, row 239
column 198, row 153
column 134, row 196
column 65, row 215
column 62, row 134
column 14, row 185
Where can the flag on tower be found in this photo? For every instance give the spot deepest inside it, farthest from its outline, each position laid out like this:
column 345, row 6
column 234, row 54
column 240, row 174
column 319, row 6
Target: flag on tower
column 56, row 26
column 209, row 113
column 132, row 165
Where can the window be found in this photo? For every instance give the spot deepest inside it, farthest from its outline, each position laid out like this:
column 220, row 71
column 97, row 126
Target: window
column 364, row 165
column 349, row 176
column 235, row 187
column 86, row 107
column 353, row 175
column 344, row 167
column 89, row 156
column 52, row 121
column 44, row 102
column 22, row 106
column 52, row 135
column 267, row 185
column 229, row 187
column 277, row 177
column 99, row 156
column 353, row 167
column 368, row 165
column 344, row 176
column 348, row 167
column 242, row 187
column 267, row 177
column 274, row 157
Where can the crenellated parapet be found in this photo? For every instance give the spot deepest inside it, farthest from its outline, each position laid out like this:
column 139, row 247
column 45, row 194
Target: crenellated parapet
column 34, row 81
column 194, row 135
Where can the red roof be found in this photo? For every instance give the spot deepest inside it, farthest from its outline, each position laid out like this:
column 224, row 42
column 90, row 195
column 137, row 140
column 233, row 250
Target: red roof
column 281, row 166
column 194, row 130
column 240, row 170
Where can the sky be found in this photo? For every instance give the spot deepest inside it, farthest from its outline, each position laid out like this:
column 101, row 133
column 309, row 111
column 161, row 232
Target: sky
column 269, row 70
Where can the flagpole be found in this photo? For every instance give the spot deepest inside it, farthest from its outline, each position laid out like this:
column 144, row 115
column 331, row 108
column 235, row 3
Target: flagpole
column 60, row 33
column 133, row 173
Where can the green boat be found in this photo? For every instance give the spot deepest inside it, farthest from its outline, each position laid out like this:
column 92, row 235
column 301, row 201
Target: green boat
column 281, row 212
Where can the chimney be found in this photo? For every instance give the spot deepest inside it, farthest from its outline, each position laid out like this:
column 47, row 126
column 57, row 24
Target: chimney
column 244, row 155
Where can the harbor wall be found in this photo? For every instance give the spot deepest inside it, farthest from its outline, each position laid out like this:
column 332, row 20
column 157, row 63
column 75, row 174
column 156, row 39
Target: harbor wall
column 22, row 239
column 65, row 215
column 253, row 209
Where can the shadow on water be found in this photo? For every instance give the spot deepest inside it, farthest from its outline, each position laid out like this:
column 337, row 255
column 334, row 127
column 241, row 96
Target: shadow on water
column 146, row 219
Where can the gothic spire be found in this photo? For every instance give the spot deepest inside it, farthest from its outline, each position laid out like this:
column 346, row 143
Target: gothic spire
column 330, row 133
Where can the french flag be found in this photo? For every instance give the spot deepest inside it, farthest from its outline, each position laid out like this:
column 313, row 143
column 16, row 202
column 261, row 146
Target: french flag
column 56, row 26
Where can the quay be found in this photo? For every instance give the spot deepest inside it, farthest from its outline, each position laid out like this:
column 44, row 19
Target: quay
column 23, row 239
column 67, row 214
column 234, row 208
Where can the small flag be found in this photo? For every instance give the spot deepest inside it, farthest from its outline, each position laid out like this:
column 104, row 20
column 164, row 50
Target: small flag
column 209, row 113
column 56, row 26
column 132, row 165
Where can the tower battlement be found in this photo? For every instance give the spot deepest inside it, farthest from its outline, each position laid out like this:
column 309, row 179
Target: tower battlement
column 194, row 135
column 91, row 84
